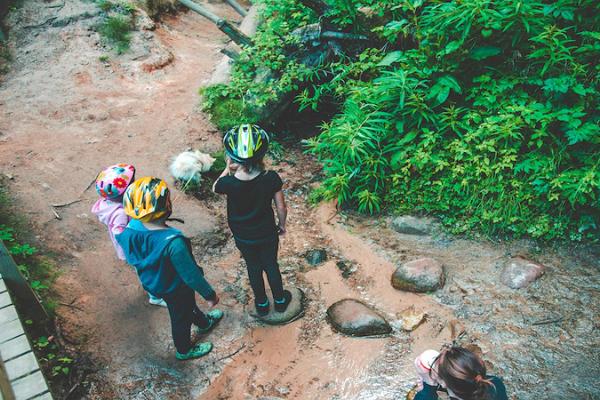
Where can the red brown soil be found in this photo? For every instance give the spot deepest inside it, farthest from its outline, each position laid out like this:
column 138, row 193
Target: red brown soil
column 64, row 115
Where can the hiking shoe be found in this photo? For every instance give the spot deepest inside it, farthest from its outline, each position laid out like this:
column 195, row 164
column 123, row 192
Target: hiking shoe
column 262, row 309
column 199, row 350
column 157, row 301
column 213, row 317
column 281, row 305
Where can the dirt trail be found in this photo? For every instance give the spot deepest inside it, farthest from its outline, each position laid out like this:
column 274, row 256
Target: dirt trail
column 64, row 115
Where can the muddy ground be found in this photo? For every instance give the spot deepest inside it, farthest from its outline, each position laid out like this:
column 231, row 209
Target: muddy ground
column 65, row 114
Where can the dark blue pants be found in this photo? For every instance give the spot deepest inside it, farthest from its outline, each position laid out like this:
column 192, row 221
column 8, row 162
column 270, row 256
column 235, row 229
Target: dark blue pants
column 184, row 312
column 262, row 258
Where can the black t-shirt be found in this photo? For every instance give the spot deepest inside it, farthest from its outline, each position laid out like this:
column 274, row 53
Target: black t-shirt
column 496, row 392
column 249, row 210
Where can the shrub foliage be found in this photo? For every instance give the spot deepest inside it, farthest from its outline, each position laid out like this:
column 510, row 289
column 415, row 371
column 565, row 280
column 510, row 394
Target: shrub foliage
column 483, row 113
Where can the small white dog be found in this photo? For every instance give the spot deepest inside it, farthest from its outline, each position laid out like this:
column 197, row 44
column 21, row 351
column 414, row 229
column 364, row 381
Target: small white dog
column 188, row 166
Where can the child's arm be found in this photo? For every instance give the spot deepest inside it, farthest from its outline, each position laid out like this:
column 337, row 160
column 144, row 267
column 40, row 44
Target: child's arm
column 281, row 210
column 188, row 270
column 225, row 172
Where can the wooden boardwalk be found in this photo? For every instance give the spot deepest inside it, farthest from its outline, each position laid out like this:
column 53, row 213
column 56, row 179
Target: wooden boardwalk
column 20, row 375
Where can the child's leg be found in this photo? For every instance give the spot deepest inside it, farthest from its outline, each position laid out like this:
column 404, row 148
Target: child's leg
column 181, row 306
column 255, row 272
column 268, row 259
column 199, row 318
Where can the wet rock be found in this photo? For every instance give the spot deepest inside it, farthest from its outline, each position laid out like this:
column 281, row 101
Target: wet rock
column 410, row 319
column 346, row 268
column 294, row 311
column 422, row 275
column 316, row 257
column 409, row 225
column 519, row 272
column 354, row 318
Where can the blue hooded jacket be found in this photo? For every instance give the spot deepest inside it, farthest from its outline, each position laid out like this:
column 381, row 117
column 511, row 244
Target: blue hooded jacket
column 163, row 260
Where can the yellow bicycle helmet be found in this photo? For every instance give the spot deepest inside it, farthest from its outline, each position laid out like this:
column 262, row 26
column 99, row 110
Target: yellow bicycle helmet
column 147, row 199
column 246, row 143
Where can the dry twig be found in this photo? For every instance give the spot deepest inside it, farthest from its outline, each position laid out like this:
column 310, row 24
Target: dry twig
column 232, row 354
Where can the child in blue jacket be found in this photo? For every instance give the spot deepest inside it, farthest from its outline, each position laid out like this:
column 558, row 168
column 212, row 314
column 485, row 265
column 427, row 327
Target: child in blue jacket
column 162, row 257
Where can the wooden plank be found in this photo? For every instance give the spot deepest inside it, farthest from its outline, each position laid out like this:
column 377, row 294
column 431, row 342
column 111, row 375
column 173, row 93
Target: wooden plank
column 11, row 330
column 21, row 366
column 45, row 396
column 18, row 285
column 6, row 391
column 5, row 299
column 29, row 386
column 14, row 347
column 2, row 285
column 8, row 314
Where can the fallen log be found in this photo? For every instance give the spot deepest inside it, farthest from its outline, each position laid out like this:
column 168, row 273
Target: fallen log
column 231, row 53
column 249, row 25
column 237, row 7
column 225, row 26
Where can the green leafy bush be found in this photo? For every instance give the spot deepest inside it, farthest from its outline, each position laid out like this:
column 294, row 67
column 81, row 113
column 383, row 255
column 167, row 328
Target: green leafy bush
column 485, row 114
column 117, row 23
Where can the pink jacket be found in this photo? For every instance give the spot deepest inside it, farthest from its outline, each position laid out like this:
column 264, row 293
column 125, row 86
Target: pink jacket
column 112, row 214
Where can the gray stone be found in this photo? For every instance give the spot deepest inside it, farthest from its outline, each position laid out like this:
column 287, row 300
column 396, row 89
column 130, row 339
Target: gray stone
column 409, row 225
column 294, row 311
column 519, row 272
column 354, row 318
column 420, row 276
column 316, row 257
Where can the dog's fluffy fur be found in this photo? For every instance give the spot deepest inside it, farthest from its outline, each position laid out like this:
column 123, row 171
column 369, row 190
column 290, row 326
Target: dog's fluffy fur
column 189, row 166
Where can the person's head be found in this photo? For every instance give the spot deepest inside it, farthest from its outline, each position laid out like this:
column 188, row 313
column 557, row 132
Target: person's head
column 148, row 199
column 463, row 373
column 253, row 166
column 112, row 182
column 246, row 145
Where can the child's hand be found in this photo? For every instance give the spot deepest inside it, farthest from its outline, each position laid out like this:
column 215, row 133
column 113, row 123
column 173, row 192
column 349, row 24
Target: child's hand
column 213, row 302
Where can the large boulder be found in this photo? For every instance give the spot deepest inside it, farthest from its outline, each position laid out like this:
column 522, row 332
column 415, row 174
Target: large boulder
column 422, row 275
column 354, row 318
column 294, row 311
column 519, row 272
column 409, row 225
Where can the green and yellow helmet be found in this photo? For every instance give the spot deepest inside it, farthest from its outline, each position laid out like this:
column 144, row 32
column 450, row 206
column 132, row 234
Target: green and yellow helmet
column 246, row 143
column 147, row 199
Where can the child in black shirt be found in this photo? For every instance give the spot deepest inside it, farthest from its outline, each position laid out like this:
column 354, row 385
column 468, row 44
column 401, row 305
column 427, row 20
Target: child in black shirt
column 462, row 374
column 250, row 192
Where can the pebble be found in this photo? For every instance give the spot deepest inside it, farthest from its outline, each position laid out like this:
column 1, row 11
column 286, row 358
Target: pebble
column 410, row 319
column 316, row 256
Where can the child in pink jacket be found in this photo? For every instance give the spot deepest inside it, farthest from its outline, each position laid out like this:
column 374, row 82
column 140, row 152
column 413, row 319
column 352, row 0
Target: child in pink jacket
column 110, row 185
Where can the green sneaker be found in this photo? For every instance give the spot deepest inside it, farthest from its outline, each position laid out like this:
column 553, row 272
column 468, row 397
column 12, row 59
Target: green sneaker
column 199, row 350
column 213, row 316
